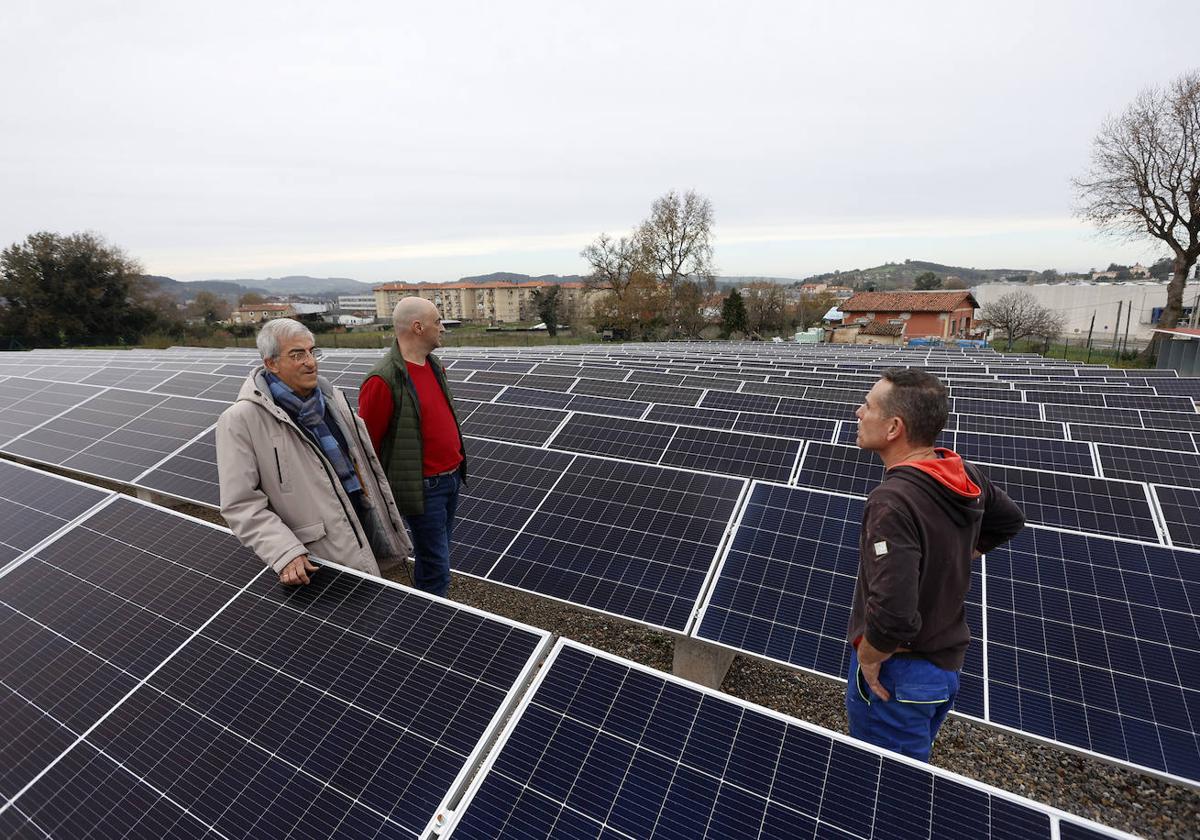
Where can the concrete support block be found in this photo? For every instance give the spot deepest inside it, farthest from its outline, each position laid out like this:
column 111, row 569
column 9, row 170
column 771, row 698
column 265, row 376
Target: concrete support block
column 701, row 662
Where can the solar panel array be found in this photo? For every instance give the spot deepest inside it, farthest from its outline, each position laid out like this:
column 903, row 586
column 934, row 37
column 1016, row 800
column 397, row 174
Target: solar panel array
column 551, row 427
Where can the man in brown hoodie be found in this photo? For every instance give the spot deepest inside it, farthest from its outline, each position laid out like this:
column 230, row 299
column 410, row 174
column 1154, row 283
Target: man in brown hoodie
column 922, row 526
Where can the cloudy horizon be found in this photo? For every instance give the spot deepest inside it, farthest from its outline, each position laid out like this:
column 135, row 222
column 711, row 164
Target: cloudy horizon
column 387, row 143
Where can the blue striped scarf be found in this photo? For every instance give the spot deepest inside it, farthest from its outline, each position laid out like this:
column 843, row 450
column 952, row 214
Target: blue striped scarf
column 310, row 415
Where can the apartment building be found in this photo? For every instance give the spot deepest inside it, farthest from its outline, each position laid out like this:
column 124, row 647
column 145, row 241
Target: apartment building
column 481, row 303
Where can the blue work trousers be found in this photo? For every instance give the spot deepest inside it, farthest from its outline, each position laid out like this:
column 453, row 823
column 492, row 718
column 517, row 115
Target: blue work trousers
column 431, row 532
column 922, row 694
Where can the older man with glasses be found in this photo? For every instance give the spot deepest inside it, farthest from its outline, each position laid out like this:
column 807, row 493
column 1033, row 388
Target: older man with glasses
column 297, row 471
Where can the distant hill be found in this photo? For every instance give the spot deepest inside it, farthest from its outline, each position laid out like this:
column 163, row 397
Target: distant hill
column 900, row 275
column 511, row 277
column 231, row 290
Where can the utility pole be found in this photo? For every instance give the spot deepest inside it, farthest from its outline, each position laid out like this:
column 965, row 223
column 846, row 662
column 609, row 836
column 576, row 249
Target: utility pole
column 1117, row 328
column 1091, row 327
column 1128, row 318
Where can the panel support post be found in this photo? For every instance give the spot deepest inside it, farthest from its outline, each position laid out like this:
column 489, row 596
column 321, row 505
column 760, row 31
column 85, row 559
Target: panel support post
column 701, row 662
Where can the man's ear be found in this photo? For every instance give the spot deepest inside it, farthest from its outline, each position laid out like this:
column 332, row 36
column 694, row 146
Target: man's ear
column 895, row 428
column 272, row 365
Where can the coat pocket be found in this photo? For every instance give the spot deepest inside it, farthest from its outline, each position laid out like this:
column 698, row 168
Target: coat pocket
column 309, row 534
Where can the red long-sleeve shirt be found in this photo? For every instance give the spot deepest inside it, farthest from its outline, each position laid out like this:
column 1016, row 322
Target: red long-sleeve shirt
column 441, row 448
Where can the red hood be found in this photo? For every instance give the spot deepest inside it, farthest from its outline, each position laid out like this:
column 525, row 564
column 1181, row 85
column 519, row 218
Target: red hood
column 947, row 470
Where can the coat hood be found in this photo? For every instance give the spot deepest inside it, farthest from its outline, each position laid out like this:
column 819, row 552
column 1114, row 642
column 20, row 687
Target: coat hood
column 946, row 480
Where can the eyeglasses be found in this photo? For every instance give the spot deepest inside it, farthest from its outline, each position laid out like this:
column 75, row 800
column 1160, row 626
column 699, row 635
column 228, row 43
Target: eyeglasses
column 298, row 356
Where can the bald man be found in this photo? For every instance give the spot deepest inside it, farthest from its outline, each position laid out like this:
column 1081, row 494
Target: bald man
column 409, row 414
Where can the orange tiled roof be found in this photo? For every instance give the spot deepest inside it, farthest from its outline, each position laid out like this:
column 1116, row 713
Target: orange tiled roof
column 878, row 327
column 908, row 301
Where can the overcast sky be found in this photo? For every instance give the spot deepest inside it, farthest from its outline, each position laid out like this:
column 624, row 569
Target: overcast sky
column 399, row 141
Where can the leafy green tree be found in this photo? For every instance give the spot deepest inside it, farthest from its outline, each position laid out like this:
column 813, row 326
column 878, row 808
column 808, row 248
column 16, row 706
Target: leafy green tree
column 545, row 300
column 72, row 290
column 927, row 280
column 733, row 314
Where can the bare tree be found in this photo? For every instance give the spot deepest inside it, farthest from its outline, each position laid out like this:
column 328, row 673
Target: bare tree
column 1144, row 179
column 1019, row 315
column 676, row 241
column 765, row 306
column 614, row 263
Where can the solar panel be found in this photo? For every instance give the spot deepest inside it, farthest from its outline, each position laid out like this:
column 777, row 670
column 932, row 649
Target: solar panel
column 1155, row 438
column 995, row 425
column 515, row 423
column 515, row 395
column 713, row 384
column 118, row 434
column 605, row 748
column 1002, row 408
column 1155, row 403
column 547, row 383
column 760, row 403
column 1155, row 466
column 1092, row 642
column 732, row 453
column 186, row 384
column 804, row 428
column 776, row 388
column 1061, row 455
column 618, row 437
column 1095, row 416
column 1179, row 506
column 710, row 418
column 785, row 586
column 604, row 405
column 816, row 408
column 508, row 482
column 1064, row 397
column 605, row 388
column 496, row 377
column 134, row 380
column 624, row 538
column 845, row 469
column 479, row 391
column 26, row 403
column 1170, row 420
column 655, row 377
column 34, row 504
column 395, row 693
column 87, row 616
column 1078, row 503
column 668, row 394
column 190, row 474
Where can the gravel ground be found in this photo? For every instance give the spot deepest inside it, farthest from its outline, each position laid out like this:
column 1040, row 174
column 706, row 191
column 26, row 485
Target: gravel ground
column 1139, row 804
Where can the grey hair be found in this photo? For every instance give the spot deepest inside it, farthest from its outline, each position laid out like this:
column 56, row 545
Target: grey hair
column 273, row 331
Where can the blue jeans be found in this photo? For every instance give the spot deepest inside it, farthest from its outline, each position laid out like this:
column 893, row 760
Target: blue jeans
column 431, row 533
column 922, row 694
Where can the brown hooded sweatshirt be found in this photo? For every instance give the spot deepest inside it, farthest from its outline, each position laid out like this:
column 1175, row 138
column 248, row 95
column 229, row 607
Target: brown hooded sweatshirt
column 921, row 526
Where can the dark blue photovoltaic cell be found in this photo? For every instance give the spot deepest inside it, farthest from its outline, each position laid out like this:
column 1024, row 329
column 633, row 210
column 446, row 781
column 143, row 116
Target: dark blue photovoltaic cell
column 605, row 405
column 1152, row 438
column 610, row 750
column 993, row 425
column 478, row 391
column 785, row 588
column 363, row 701
column 1039, row 453
column 34, row 504
column 87, row 616
column 804, row 428
column 1077, row 502
column 615, row 437
column 1177, row 420
column 1093, row 642
column 190, row 474
column 1181, row 511
column 515, row 423
column 760, row 403
column 625, row 538
column 844, row 469
column 1093, row 416
column 816, row 408
column 1000, row 408
column 534, row 397
column 1155, row 466
column 711, row 418
column 507, row 484
column 731, row 453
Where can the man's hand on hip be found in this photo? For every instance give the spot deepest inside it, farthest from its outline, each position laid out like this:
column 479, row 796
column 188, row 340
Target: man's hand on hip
column 870, row 659
column 298, row 571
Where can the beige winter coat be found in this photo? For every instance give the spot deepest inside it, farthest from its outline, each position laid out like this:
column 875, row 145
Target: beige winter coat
column 281, row 496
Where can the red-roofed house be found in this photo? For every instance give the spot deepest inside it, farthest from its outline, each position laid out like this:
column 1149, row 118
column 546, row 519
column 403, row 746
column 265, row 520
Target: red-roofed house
column 919, row 314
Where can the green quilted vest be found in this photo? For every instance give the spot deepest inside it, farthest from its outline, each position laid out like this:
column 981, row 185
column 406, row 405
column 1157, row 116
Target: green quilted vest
column 401, row 455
